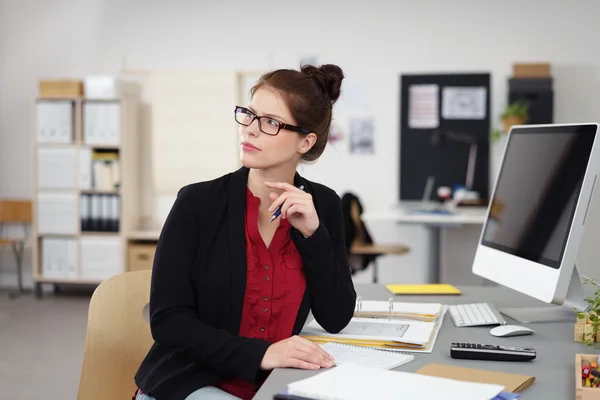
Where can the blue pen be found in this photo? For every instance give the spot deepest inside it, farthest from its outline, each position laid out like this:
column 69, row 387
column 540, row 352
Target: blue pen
column 278, row 211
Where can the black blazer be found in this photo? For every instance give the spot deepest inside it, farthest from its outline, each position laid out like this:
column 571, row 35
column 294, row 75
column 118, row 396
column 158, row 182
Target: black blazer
column 199, row 281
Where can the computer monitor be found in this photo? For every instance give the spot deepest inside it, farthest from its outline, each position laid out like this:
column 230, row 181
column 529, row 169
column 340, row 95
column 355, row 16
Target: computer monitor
column 536, row 216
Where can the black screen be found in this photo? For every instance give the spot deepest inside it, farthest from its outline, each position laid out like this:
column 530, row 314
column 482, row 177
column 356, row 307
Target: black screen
column 538, row 190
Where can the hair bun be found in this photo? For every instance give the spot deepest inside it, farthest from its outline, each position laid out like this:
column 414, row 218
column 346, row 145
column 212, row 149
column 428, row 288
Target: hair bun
column 329, row 77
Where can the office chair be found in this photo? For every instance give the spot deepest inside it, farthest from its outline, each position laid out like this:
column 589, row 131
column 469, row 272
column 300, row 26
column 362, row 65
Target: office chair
column 118, row 338
column 16, row 212
column 359, row 244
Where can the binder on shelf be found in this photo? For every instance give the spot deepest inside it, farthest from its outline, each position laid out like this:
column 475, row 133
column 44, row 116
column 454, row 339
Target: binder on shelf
column 59, row 257
column 101, row 256
column 85, row 212
column 105, row 167
column 100, row 212
column 96, row 213
column 57, row 213
column 116, row 213
column 57, row 168
column 102, row 123
column 85, row 168
column 55, row 121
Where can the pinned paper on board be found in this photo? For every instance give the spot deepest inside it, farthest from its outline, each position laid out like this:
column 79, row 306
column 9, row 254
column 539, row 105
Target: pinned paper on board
column 361, row 136
column 464, row 103
column 423, row 106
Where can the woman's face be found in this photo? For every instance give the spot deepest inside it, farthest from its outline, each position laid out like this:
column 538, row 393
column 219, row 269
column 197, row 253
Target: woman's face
column 262, row 151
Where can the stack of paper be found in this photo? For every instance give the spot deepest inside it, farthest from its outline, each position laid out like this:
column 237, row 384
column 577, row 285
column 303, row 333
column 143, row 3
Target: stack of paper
column 359, row 383
column 386, row 309
column 394, row 334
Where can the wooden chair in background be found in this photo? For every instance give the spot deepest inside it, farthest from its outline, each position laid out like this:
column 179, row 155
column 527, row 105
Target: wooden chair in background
column 16, row 212
column 118, row 337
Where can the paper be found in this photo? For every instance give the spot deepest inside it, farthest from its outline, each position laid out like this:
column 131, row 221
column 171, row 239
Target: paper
column 365, row 356
column 423, row 106
column 464, row 102
column 400, row 331
column 428, row 289
column 361, row 136
column 359, row 383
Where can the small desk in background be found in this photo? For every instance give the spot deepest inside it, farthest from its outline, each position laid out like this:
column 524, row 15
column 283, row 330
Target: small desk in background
column 451, row 255
column 553, row 368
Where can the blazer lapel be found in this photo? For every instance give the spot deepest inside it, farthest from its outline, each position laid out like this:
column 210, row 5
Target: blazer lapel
column 236, row 211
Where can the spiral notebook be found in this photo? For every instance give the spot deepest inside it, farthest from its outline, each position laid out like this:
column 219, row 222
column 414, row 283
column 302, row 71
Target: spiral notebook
column 366, row 356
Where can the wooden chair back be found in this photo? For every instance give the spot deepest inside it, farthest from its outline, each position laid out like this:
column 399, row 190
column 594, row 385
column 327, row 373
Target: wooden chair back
column 118, row 337
column 15, row 211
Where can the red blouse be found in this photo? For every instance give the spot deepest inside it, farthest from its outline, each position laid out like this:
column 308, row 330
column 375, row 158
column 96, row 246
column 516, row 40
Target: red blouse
column 275, row 286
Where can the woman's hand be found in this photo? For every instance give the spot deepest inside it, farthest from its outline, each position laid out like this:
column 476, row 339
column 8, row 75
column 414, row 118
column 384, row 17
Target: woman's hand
column 296, row 352
column 297, row 206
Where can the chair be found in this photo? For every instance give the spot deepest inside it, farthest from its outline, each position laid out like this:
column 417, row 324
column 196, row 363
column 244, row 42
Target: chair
column 118, row 337
column 358, row 240
column 16, row 212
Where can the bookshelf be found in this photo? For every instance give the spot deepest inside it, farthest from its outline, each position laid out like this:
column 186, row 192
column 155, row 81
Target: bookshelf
column 86, row 187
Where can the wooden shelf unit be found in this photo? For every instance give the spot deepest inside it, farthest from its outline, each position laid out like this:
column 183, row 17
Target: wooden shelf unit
column 128, row 192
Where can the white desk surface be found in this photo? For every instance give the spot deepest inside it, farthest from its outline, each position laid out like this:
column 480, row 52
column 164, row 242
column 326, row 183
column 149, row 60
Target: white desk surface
column 402, row 213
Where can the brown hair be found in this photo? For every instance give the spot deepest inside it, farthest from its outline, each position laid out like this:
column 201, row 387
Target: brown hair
column 310, row 94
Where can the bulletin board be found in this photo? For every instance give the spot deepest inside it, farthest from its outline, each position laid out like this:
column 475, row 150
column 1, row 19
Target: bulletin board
column 440, row 116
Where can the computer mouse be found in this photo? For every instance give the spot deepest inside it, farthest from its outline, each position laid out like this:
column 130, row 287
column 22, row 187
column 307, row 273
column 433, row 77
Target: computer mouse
column 511, row 330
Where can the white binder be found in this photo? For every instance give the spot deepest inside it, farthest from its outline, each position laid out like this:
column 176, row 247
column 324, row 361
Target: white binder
column 57, row 168
column 58, row 213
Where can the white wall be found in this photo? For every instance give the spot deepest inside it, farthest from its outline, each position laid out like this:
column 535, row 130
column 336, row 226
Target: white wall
column 374, row 41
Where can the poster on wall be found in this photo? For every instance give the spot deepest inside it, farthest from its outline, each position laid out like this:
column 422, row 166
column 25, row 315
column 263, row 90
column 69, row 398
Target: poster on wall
column 361, row 136
column 423, row 106
column 464, row 102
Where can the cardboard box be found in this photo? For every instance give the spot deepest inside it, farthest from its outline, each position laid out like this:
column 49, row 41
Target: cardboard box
column 531, row 70
column 582, row 392
column 60, row 88
column 141, row 256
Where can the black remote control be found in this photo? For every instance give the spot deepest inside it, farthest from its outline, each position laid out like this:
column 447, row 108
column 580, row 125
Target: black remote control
column 473, row 351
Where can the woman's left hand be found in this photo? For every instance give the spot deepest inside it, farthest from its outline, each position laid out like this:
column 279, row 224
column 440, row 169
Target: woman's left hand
column 297, row 207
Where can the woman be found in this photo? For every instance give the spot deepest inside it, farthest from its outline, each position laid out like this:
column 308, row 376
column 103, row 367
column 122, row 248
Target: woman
column 233, row 280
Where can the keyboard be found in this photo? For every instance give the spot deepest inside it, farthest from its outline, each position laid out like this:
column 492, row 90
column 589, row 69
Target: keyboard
column 475, row 314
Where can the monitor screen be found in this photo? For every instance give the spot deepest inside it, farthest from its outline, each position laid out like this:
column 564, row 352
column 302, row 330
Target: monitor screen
column 537, row 190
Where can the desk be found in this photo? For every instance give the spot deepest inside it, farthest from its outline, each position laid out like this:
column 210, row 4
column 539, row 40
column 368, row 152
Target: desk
column 436, row 224
column 553, row 367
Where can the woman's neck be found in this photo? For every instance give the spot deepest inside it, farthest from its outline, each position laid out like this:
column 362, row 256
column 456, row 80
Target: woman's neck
column 258, row 177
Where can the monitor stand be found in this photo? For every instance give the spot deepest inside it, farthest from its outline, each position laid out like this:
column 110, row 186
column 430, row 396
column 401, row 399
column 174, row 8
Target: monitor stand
column 564, row 313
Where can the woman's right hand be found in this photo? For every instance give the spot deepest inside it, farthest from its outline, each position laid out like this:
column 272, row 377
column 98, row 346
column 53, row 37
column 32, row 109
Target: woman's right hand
column 296, row 352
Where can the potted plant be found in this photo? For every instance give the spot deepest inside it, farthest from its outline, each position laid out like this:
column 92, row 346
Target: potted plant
column 516, row 113
column 591, row 315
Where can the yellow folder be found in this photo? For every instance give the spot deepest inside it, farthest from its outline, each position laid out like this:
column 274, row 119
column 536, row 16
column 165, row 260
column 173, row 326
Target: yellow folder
column 430, row 289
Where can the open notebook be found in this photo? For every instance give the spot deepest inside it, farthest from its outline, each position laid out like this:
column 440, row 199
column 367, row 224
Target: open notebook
column 366, row 356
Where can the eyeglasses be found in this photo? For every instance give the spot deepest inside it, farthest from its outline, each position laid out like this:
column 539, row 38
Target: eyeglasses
column 267, row 125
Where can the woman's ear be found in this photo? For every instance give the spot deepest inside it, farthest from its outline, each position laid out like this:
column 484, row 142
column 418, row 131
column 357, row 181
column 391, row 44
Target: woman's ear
column 307, row 142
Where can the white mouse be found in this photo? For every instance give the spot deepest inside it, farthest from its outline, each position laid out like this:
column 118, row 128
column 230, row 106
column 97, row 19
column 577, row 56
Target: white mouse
column 510, row 330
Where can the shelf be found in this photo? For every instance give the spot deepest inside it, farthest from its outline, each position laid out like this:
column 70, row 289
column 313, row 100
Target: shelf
column 41, row 278
column 99, row 233
column 96, row 191
column 56, row 145
column 102, row 146
column 59, row 98
column 59, row 235
column 101, row 100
